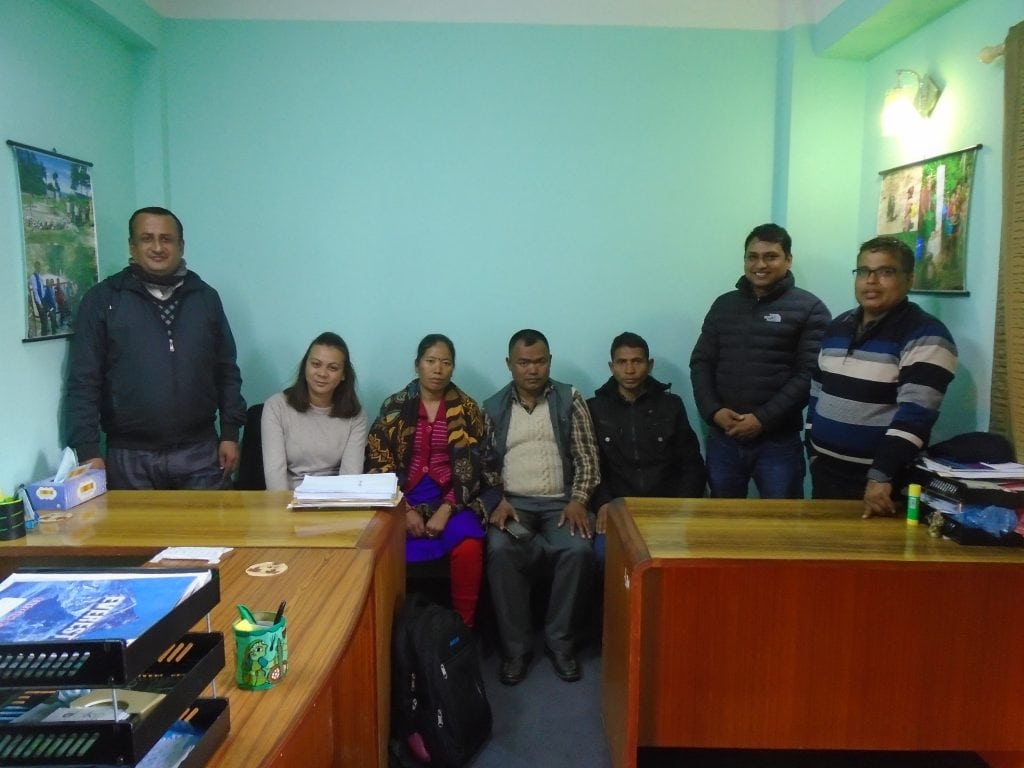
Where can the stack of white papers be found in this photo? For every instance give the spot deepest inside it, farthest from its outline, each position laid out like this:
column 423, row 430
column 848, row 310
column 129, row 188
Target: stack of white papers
column 979, row 470
column 377, row 490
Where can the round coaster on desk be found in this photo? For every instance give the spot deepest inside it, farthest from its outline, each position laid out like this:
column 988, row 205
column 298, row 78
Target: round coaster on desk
column 266, row 569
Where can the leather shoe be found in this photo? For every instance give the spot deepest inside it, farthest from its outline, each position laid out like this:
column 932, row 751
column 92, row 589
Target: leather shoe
column 513, row 671
column 566, row 666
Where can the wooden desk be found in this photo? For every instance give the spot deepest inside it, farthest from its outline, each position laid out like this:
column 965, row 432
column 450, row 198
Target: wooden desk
column 797, row 625
column 346, row 573
column 152, row 520
column 326, row 590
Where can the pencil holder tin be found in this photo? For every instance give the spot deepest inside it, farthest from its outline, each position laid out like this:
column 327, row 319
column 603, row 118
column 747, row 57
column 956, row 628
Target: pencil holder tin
column 261, row 651
column 12, row 520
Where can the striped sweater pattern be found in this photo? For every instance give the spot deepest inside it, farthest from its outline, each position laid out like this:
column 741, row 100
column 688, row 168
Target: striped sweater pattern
column 876, row 396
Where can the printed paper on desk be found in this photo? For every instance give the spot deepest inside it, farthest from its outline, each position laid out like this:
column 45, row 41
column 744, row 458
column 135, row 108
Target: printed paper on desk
column 210, row 555
column 47, row 607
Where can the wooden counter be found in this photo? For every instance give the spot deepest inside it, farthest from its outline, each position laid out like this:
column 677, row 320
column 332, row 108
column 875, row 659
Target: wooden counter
column 156, row 519
column 345, row 576
column 798, row 625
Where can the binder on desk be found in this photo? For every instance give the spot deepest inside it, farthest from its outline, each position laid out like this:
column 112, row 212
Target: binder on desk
column 1009, row 494
column 980, row 484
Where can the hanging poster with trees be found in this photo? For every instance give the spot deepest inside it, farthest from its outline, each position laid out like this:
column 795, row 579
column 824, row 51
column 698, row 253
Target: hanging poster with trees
column 925, row 204
column 59, row 227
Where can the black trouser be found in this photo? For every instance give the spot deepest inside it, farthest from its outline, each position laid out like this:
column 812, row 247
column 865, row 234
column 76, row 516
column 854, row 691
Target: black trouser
column 835, row 479
column 193, row 467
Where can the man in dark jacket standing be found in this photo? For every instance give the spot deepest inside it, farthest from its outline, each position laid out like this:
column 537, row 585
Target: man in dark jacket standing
column 647, row 445
column 751, row 372
column 152, row 364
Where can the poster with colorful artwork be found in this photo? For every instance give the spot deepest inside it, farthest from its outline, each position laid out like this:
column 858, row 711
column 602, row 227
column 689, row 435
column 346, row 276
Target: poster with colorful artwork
column 59, row 229
column 926, row 205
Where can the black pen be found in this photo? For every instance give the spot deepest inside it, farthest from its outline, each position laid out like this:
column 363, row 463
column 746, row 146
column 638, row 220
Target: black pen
column 280, row 614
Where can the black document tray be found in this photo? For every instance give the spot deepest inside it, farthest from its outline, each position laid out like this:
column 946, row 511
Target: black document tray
column 96, row 663
column 210, row 716
column 189, row 664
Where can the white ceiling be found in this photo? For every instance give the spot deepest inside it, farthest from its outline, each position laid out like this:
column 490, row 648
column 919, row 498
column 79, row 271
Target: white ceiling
column 703, row 14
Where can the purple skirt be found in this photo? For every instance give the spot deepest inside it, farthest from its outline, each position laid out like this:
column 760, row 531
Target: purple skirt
column 463, row 524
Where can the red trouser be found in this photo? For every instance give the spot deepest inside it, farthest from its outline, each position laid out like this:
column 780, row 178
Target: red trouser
column 467, row 568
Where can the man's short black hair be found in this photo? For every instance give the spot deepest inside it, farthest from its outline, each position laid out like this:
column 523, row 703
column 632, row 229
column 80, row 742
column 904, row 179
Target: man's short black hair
column 630, row 339
column 155, row 210
column 894, row 247
column 770, row 233
column 529, row 337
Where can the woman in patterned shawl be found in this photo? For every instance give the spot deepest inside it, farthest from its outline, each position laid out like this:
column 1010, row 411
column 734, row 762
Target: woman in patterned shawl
column 440, row 444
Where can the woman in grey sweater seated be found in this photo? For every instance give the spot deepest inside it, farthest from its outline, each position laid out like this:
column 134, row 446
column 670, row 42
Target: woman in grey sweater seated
column 316, row 426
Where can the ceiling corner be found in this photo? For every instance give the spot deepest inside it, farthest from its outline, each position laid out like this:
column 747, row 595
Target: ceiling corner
column 861, row 29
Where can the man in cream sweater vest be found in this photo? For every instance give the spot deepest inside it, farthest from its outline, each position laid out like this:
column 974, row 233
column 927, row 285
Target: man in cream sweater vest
column 550, row 468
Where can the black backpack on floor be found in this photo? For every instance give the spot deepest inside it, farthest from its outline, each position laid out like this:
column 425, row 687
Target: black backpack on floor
column 437, row 689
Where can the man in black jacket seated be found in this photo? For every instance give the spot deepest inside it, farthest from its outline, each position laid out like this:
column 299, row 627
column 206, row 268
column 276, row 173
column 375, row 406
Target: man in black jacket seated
column 647, row 445
column 152, row 364
column 751, row 372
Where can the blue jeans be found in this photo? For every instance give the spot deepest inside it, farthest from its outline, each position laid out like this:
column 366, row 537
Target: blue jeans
column 776, row 465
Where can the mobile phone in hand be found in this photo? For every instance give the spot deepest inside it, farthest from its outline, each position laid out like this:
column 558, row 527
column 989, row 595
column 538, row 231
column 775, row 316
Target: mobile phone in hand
column 517, row 530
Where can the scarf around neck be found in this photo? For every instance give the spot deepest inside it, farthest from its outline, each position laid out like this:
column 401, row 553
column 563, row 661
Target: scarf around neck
column 164, row 281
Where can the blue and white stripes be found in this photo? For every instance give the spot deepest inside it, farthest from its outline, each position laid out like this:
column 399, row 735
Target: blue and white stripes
column 876, row 395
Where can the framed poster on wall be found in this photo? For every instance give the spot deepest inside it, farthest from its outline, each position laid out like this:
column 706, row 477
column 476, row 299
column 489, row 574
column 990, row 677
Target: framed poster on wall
column 58, row 222
column 926, row 205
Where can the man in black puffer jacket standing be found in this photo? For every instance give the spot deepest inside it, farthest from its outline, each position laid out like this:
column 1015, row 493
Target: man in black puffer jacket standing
column 751, row 372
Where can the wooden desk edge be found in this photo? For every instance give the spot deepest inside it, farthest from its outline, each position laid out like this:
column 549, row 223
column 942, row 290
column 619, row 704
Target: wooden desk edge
column 368, row 637
column 627, row 557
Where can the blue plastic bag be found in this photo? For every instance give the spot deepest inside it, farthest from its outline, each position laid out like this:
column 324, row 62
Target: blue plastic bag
column 995, row 520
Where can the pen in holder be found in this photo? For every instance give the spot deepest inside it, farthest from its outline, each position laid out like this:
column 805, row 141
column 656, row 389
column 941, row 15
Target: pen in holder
column 12, row 518
column 261, row 650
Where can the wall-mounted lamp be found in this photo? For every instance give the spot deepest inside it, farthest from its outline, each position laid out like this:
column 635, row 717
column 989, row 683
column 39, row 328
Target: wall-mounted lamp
column 990, row 53
column 913, row 95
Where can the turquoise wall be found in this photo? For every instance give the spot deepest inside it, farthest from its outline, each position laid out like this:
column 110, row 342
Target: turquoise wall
column 817, row 190
column 66, row 85
column 389, row 180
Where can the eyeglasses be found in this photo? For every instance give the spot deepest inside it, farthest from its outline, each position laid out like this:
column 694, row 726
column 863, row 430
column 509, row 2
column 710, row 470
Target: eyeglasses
column 882, row 273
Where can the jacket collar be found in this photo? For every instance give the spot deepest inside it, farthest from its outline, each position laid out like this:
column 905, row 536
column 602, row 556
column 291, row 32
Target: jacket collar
column 125, row 280
column 653, row 388
column 786, row 282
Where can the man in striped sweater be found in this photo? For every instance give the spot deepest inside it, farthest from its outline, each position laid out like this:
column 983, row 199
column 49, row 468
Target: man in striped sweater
column 882, row 372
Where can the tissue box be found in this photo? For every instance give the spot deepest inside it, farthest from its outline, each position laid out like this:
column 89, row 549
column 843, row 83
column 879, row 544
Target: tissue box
column 82, row 483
